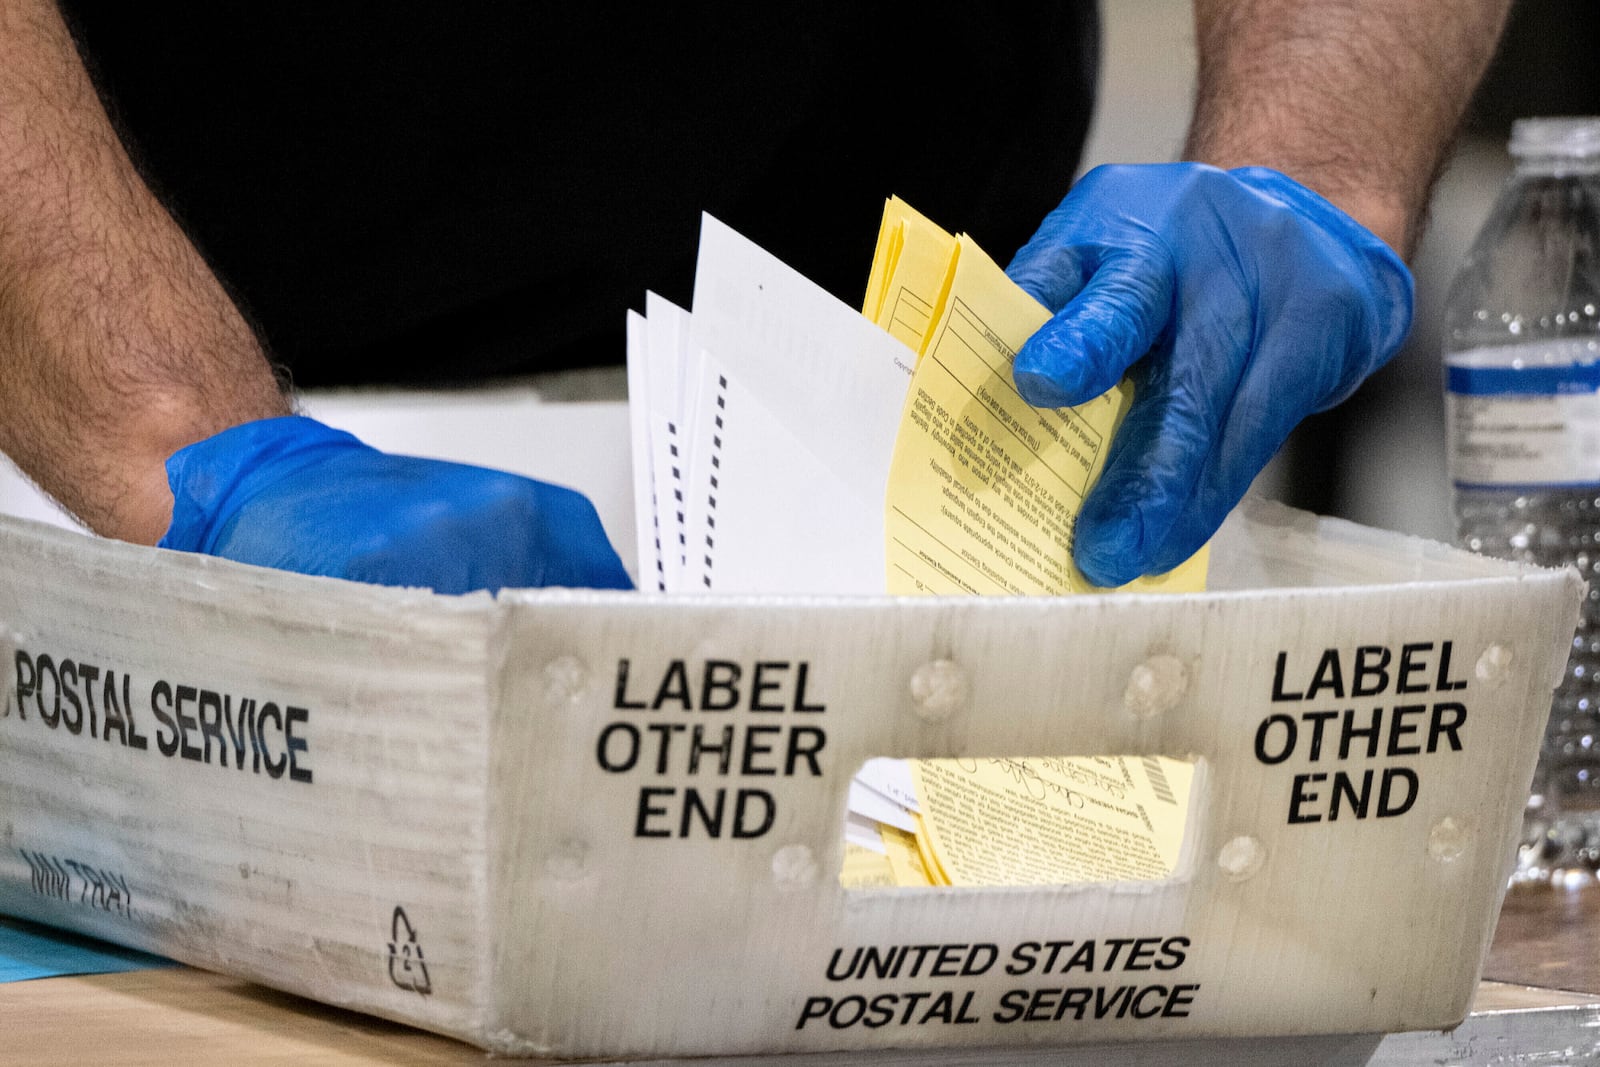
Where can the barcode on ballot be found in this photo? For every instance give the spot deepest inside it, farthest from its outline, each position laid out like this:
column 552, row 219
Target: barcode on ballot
column 1158, row 779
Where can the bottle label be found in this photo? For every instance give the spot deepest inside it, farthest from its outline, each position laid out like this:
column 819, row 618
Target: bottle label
column 1534, row 427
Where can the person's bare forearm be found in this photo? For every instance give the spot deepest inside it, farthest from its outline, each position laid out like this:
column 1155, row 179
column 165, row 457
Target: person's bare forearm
column 1358, row 99
column 118, row 346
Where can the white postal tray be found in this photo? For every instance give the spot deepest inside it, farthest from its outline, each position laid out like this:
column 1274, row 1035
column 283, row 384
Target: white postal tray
column 432, row 808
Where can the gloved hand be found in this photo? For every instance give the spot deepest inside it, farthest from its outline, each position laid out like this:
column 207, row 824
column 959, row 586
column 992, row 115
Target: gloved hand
column 294, row 494
column 1242, row 302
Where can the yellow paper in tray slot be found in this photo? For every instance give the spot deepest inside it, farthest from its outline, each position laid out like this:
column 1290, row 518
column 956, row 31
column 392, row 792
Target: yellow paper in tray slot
column 866, row 869
column 910, row 270
column 905, row 859
column 930, row 858
column 1053, row 821
column 984, row 489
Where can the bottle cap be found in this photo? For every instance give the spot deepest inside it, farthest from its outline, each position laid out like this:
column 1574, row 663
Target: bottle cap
column 1559, row 138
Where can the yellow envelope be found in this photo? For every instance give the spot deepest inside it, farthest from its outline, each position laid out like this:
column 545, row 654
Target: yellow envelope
column 984, row 489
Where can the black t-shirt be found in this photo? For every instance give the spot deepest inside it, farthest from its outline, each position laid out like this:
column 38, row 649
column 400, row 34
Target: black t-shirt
column 411, row 192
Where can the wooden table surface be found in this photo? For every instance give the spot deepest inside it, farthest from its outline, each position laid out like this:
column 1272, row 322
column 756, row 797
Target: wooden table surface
column 1546, row 953
column 1548, row 938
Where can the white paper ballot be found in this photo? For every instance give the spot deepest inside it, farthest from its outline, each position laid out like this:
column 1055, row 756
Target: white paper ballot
column 666, row 360
column 810, row 396
column 766, row 515
column 890, row 777
column 870, row 804
column 769, row 414
column 835, row 379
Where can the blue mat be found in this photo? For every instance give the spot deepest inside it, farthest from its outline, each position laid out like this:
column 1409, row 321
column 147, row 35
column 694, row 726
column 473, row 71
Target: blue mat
column 28, row 950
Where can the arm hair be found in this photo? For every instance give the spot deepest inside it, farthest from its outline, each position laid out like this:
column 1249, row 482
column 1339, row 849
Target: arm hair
column 1357, row 99
column 118, row 345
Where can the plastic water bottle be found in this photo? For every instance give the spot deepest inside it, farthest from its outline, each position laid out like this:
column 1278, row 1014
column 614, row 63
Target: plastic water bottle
column 1522, row 381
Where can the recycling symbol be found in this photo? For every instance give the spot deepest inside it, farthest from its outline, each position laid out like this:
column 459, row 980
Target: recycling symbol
column 406, row 967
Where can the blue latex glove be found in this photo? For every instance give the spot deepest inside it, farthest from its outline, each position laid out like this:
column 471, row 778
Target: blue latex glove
column 294, row 494
column 1241, row 301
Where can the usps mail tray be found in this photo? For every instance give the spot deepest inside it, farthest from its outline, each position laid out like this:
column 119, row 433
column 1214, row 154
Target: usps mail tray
column 473, row 814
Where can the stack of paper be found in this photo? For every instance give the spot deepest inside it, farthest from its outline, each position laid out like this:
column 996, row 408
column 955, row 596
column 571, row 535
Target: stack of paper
column 784, row 443
column 763, row 427
column 1030, row 821
column 983, row 488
